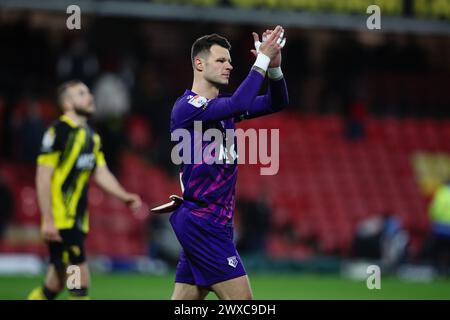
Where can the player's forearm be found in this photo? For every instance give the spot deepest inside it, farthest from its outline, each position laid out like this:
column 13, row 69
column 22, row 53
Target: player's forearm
column 244, row 96
column 273, row 101
column 43, row 189
column 108, row 182
column 279, row 96
column 247, row 91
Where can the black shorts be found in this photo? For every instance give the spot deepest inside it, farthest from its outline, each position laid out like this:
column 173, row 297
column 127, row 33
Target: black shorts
column 70, row 251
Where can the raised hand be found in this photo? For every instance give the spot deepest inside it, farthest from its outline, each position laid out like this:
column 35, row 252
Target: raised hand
column 269, row 34
column 270, row 47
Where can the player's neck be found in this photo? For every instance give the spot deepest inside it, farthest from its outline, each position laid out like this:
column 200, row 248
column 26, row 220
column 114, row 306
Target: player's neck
column 205, row 88
column 77, row 119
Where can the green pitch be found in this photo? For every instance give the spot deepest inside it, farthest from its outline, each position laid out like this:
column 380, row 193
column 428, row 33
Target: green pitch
column 265, row 286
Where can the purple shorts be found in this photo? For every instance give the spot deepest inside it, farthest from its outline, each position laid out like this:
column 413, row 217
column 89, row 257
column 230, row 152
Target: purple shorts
column 209, row 255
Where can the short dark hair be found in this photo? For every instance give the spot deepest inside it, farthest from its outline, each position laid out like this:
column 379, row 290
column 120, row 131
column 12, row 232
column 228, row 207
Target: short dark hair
column 62, row 88
column 206, row 42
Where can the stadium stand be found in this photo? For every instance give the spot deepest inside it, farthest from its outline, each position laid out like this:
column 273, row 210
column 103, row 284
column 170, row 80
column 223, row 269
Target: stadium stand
column 325, row 186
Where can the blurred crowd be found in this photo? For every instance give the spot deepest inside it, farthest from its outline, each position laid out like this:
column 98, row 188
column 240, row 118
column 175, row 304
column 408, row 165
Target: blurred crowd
column 137, row 68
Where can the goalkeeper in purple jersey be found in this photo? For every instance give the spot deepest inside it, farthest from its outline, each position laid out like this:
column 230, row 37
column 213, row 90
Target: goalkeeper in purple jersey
column 203, row 223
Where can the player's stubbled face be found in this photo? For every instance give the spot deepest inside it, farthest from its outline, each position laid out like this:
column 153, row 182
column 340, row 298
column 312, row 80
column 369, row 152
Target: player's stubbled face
column 83, row 101
column 218, row 65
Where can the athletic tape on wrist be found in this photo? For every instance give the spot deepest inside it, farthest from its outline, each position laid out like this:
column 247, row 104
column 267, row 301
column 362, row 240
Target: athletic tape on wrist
column 262, row 61
column 275, row 73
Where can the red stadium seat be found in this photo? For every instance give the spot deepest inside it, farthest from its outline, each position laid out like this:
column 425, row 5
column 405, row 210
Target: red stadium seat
column 325, row 185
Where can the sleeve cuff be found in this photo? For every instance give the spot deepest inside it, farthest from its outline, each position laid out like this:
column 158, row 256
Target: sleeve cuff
column 262, row 62
column 275, row 73
column 49, row 159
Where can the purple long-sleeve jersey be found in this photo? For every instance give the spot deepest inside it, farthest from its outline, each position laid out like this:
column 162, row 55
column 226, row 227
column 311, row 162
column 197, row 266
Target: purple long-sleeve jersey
column 209, row 189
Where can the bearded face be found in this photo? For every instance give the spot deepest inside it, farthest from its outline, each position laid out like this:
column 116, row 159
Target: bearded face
column 82, row 100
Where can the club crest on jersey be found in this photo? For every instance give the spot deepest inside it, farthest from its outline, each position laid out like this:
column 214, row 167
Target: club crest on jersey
column 48, row 140
column 232, row 261
column 198, row 101
column 86, row 162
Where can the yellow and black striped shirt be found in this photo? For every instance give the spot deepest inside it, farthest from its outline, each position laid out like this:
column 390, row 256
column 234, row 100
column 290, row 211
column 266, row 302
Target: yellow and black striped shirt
column 74, row 152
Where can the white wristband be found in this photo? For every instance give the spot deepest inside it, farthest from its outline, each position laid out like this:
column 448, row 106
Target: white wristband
column 275, row 73
column 262, row 61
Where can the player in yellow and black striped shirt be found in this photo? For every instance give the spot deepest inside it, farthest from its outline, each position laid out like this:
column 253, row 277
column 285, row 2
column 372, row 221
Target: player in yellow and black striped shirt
column 71, row 150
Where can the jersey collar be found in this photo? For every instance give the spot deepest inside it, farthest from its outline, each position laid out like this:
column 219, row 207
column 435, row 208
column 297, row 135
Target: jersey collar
column 69, row 121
